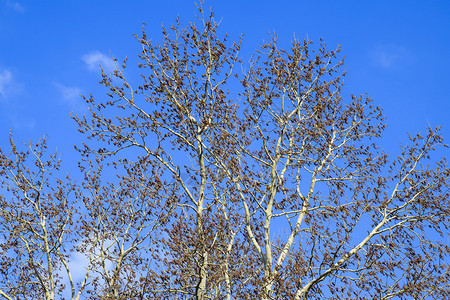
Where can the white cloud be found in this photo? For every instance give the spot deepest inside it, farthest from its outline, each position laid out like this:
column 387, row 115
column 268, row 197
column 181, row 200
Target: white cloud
column 78, row 265
column 5, row 82
column 71, row 96
column 95, row 59
column 16, row 6
column 68, row 92
column 79, row 262
column 389, row 56
column 8, row 85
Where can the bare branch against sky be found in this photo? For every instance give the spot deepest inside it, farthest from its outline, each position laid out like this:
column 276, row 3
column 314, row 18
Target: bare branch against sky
column 204, row 170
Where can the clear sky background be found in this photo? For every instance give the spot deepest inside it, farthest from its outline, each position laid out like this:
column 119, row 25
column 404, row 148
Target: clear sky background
column 396, row 51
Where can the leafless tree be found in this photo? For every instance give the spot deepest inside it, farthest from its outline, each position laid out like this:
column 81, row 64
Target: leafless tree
column 36, row 225
column 218, row 179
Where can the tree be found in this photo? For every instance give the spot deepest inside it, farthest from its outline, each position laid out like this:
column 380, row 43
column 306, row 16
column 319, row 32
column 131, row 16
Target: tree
column 260, row 184
column 36, row 219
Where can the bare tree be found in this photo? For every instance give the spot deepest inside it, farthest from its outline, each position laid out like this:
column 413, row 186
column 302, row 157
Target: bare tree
column 36, row 225
column 215, row 179
column 123, row 225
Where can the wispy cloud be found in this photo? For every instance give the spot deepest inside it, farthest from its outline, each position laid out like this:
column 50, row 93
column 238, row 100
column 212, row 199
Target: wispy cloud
column 79, row 262
column 95, row 59
column 16, row 6
column 8, row 86
column 71, row 95
column 78, row 265
column 389, row 56
column 5, row 81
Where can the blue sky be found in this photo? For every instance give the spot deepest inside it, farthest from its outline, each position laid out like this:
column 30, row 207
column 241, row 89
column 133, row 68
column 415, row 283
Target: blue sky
column 396, row 51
